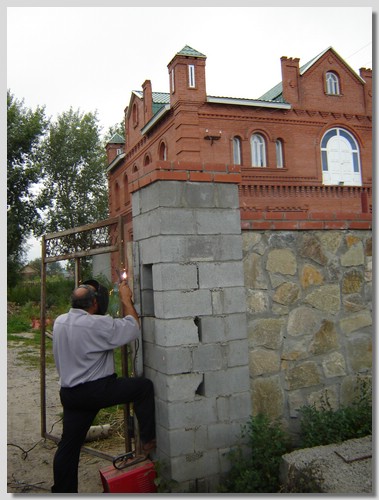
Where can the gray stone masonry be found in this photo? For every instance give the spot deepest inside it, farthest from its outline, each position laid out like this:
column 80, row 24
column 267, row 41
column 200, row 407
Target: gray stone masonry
column 189, row 279
column 309, row 318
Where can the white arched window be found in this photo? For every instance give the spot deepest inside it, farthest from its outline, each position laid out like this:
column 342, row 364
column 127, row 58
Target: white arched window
column 162, row 151
column 332, row 83
column 236, row 151
column 340, row 158
column 258, row 151
column 279, row 153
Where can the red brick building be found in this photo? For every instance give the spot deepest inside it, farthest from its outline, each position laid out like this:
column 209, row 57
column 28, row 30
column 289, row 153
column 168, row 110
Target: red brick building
column 301, row 154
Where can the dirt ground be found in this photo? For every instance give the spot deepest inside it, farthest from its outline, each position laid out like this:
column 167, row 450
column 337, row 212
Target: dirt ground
column 30, row 456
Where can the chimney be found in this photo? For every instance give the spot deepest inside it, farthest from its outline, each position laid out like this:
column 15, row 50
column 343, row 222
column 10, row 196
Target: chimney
column 290, row 79
column 147, row 100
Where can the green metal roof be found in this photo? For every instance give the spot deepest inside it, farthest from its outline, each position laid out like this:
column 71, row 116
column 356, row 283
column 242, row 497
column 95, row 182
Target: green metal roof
column 189, row 51
column 116, row 139
column 159, row 99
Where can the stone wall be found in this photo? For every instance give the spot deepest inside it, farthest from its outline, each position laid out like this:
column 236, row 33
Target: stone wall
column 309, row 317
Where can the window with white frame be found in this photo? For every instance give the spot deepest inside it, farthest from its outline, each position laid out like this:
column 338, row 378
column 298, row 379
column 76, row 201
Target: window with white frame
column 340, row 158
column 279, row 153
column 191, row 76
column 173, row 80
column 258, row 151
column 332, row 83
column 236, row 151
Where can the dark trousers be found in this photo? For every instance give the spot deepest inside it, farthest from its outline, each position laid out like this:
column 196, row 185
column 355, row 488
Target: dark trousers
column 80, row 406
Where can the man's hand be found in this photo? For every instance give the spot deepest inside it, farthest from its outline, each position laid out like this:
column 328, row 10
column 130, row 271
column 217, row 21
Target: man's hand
column 126, row 301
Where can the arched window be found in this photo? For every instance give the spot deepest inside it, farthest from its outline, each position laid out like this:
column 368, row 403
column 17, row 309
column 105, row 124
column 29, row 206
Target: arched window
column 162, row 151
column 237, row 151
column 126, row 190
column 135, row 169
column 117, row 196
column 340, row 158
column 147, row 159
column 332, row 83
column 258, row 151
column 279, row 153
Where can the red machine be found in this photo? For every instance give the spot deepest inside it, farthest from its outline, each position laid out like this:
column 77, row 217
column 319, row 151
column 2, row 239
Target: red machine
column 138, row 477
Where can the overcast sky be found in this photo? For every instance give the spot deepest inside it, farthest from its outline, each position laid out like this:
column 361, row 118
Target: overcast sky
column 91, row 58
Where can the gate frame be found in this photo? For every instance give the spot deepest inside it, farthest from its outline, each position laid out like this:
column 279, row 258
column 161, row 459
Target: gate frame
column 77, row 255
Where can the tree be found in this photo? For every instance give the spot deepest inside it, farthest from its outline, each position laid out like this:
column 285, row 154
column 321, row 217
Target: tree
column 73, row 163
column 24, row 131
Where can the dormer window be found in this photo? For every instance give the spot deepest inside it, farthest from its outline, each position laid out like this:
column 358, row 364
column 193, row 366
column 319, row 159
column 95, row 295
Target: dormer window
column 332, row 83
column 191, row 76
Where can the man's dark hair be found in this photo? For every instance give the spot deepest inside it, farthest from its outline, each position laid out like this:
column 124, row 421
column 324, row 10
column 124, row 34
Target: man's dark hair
column 85, row 300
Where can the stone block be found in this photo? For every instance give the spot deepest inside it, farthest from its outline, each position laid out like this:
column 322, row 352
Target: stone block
column 263, row 362
column 175, row 277
column 266, row 332
column 355, row 322
column 303, row 375
column 334, row 365
column 228, row 300
column 201, row 464
column 199, row 195
column 170, row 332
column 220, row 274
column 216, row 221
column 303, row 319
column 354, row 256
column 226, row 382
column 281, row 260
column 223, row 328
column 223, row 435
column 268, row 397
column 326, row 298
column 169, row 361
column 359, row 351
column 196, row 411
column 180, row 304
column 226, row 196
column 236, row 352
column 207, row 357
column 180, row 387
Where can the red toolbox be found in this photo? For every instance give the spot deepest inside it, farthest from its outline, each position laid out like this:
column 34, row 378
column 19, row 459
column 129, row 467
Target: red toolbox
column 138, row 478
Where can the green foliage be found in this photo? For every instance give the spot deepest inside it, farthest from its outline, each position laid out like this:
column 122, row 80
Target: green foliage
column 75, row 191
column 24, row 131
column 322, row 425
column 258, row 470
column 58, row 292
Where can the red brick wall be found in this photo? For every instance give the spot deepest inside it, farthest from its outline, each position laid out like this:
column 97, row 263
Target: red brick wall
column 292, row 197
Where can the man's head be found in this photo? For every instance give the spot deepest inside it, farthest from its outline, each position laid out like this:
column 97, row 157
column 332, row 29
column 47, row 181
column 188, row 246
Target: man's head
column 90, row 296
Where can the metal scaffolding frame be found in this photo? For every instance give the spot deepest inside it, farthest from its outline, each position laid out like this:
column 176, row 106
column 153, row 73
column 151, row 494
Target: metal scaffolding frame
column 102, row 237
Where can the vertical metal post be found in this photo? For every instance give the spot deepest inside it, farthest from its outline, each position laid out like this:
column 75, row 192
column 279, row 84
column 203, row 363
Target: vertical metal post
column 77, row 272
column 43, row 340
column 124, row 348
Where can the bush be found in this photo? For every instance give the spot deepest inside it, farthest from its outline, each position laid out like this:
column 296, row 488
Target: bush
column 257, row 471
column 323, row 425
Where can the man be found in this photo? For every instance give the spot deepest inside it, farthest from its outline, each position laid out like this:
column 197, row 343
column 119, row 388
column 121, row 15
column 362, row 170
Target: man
column 83, row 343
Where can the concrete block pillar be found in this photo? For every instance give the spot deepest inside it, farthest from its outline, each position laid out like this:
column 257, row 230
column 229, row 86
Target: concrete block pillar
column 189, row 272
